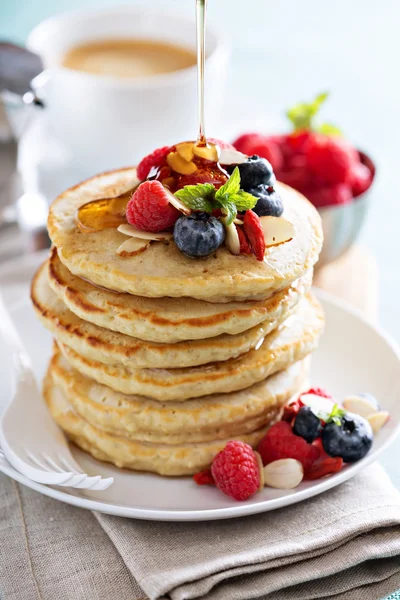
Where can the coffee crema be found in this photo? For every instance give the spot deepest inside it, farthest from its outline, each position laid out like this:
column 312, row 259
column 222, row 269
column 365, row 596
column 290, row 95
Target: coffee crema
column 128, row 58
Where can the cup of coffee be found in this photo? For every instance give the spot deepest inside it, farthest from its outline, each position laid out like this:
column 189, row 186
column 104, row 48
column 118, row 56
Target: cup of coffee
column 119, row 82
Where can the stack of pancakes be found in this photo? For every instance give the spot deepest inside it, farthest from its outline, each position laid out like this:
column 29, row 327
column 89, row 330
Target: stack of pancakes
column 160, row 359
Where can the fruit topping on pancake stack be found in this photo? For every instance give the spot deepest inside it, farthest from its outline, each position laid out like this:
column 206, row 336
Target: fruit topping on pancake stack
column 178, row 294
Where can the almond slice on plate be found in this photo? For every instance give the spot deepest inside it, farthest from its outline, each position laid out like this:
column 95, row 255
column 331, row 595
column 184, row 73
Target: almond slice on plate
column 231, row 238
column 378, row 419
column 277, row 230
column 131, row 231
column 132, row 247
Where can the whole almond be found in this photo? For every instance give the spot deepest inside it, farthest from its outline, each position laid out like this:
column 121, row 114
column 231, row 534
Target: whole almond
column 360, row 405
column 378, row 419
column 284, row 474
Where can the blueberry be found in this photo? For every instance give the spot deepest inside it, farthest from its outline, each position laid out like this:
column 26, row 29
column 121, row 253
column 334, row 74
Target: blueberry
column 199, row 234
column 307, row 425
column 351, row 440
column 269, row 203
column 253, row 172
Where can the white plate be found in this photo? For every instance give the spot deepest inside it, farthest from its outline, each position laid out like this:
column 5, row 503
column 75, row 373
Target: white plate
column 353, row 356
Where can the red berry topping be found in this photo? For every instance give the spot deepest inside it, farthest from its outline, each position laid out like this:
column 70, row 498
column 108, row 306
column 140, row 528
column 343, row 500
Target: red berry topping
column 324, row 467
column 236, row 470
column 149, row 208
column 318, row 391
column 244, row 243
column 254, row 233
column 290, row 410
column 329, row 196
column 151, row 160
column 281, row 442
column 262, row 145
column 331, row 158
column 204, row 478
column 361, row 179
column 215, row 176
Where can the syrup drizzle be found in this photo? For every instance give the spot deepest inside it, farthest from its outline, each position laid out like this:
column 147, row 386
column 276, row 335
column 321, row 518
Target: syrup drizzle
column 104, row 213
column 201, row 10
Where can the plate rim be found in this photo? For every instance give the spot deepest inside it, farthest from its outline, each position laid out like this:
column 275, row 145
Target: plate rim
column 239, row 509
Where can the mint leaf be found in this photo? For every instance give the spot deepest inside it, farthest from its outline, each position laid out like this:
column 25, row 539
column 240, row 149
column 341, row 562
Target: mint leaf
column 243, row 200
column 232, row 186
column 336, row 415
column 301, row 115
column 329, row 129
column 228, row 208
column 197, row 197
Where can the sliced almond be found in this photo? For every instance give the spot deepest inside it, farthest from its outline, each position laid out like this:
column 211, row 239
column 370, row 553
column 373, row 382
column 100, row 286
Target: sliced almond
column 378, row 419
column 284, row 474
column 277, row 230
column 361, row 405
column 160, row 236
column 238, row 221
column 230, row 156
column 177, row 203
column 132, row 247
column 209, row 152
column 231, row 238
column 318, row 404
column 180, row 165
column 185, row 150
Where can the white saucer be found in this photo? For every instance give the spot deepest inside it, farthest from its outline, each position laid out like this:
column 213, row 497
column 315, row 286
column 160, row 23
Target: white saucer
column 353, row 356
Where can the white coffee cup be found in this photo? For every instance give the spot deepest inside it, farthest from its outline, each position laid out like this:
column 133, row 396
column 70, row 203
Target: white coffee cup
column 108, row 122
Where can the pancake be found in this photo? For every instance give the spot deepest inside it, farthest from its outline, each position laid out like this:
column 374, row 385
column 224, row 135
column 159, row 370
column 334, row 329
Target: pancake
column 169, row 319
column 162, row 270
column 292, row 341
column 164, row 459
column 106, row 346
column 204, row 419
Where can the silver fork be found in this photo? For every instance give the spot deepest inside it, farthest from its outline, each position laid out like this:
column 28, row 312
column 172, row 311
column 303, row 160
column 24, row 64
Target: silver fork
column 29, row 438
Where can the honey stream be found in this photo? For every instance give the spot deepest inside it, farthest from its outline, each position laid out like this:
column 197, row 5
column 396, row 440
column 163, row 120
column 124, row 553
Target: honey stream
column 105, row 213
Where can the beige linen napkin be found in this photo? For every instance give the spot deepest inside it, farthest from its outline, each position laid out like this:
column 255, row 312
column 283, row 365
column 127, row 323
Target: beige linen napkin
column 343, row 544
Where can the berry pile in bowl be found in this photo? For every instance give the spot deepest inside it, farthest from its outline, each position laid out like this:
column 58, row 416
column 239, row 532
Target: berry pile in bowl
column 319, row 162
column 201, row 197
column 315, row 438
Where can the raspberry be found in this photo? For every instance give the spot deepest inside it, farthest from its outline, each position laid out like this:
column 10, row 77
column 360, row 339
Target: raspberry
column 324, row 467
column 330, row 196
column 331, row 158
column 204, row 478
column 149, row 208
column 281, row 442
column 361, row 179
column 244, row 244
column 317, row 391
column 254, row 233
column 151, row 160
column 223, row 145
column 261, row 145
column 236, row 470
